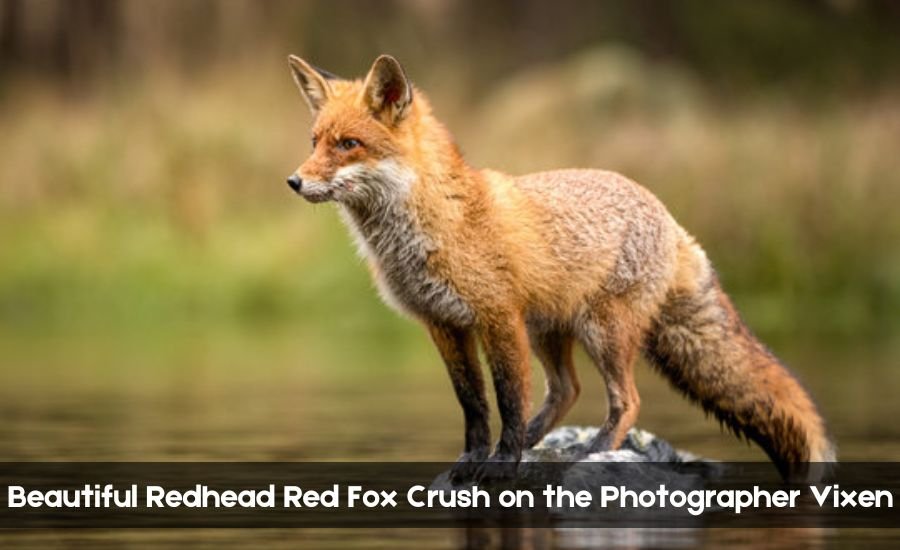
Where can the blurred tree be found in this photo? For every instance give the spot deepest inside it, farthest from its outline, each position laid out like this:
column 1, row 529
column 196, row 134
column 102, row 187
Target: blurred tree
column 817, row 43
column 70, row 39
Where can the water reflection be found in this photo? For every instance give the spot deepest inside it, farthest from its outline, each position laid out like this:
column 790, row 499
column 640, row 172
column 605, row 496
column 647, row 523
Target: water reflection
column 277, row 395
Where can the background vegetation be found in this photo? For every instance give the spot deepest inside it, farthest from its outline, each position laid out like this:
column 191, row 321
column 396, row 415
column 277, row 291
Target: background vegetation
column 145, row 146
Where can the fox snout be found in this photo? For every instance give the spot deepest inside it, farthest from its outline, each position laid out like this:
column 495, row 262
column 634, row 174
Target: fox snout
column 311, row 190
column 294, row 182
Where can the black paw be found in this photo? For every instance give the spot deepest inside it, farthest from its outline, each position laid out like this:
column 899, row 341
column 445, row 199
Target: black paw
column 601, row 442
column 580, row 451
column 498, row 468
column 466, row 467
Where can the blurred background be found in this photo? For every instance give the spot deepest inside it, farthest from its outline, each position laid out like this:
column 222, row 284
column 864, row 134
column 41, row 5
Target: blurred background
column 163, row 295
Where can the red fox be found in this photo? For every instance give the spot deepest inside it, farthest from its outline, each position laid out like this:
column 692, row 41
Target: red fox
column 538, row 263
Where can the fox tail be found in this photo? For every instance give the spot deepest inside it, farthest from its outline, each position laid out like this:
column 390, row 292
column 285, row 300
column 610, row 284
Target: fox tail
column 699, row 342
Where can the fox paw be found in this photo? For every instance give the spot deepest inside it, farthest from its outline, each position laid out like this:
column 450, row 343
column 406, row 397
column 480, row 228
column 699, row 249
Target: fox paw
column 498, row 468
column 601, row 442
column 466, row 466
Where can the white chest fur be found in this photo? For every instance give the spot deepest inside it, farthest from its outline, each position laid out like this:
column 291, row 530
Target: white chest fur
column 389, row 235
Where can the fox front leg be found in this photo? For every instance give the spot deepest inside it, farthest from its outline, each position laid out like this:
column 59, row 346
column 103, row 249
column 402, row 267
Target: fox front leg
column 460, row 354
column 505, row 343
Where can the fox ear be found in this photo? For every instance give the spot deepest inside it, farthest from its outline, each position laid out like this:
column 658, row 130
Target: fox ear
column 387, row 91
column 312, row 83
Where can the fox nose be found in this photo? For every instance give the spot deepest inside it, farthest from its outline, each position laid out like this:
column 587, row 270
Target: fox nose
column 295, row 183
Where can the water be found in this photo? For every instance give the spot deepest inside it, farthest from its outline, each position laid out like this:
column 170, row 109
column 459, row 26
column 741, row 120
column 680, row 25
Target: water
column 287, row 393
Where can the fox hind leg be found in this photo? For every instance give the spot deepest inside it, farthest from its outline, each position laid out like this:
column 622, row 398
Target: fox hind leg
column 554, row 350
column 614, row 348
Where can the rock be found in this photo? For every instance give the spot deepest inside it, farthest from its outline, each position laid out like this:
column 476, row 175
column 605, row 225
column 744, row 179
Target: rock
column 643, row 461
column 567, row 443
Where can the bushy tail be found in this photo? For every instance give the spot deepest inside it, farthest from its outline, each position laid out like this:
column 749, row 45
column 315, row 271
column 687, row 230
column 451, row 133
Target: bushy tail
column 700, row 343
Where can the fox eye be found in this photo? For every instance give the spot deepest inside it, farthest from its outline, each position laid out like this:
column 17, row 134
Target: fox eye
column 315, row 140
column 347, row 144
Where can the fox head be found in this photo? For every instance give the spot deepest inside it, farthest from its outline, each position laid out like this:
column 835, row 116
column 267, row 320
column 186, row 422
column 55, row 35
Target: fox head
column 361, row 133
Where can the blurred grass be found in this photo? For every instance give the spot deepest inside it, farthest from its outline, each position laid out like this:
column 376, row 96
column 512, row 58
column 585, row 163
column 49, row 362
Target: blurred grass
column 161, row 201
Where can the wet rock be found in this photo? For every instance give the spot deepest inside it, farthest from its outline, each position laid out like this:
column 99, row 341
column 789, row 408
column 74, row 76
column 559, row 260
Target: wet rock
column 568, row 443
column 643, row 461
